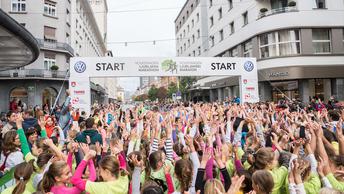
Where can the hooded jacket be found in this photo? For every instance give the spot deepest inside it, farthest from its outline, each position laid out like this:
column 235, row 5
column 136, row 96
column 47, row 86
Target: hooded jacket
column 92, row 133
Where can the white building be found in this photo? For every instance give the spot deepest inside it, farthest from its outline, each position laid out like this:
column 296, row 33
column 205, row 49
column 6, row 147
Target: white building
column 50, row 23
column 299, row 45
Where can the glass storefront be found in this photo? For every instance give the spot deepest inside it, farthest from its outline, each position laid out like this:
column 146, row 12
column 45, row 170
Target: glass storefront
column 286, row 89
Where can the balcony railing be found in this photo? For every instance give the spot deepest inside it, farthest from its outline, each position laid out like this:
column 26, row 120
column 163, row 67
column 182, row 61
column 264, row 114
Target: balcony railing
column 277, row 11
column 33, row 73
column 55, row 45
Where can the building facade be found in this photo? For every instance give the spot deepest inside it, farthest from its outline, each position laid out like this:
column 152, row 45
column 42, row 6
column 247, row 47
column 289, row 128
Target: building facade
column 299, row 45
column 39, row 83
column 63, row 29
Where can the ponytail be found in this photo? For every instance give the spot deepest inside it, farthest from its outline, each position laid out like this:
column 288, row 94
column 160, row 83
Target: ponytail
column 22, row 173
column 183, row 170
column 55, row 169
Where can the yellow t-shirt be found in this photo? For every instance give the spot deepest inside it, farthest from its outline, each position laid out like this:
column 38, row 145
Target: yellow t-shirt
column 119, row 186
column 9, row 190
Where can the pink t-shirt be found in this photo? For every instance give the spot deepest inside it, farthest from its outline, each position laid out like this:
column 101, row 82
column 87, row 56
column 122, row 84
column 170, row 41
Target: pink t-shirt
column 65, row 190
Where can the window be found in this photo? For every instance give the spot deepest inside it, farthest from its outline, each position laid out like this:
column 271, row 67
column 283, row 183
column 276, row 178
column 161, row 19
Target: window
column 321, row 41
column 49, row 33
column 187, row 13
column 280, row 43
column 212, row 41
column 211, row 21
column 184, row 46
column 193, row 38
column 50, row 8
column 248, row 49
column 193, row 53
column 220, row 13
column 199, row 51
column 49, row 60
column 210, row 3
column 197, row 17
column 181, row 50
column 188, row 43
column 184, row 33
column 183, row 19
column 198, row 33
column 178, row 52
column 232, row 27
column 320, row 4
column 245, row 18
column 188, row 28
column 221, row 35
column 191, row 7
column 234, row 52
column 192, row 23
column 18, row 6
column 230, row 4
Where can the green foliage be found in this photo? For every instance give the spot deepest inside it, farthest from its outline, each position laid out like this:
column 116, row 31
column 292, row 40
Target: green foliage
column 292, row 4
column 263, row 10
column 142, row 97
column 185, row 83
column 162, row 93
column 172, row 88
column 54, row 68
column 152, row 93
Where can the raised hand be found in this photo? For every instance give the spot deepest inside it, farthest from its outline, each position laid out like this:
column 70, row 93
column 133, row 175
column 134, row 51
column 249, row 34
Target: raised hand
column 19, row 121
column 236, row 184
column 136, row 162
column 206, row 156
column 84, row 147
column 89, row 155
column 218, row 157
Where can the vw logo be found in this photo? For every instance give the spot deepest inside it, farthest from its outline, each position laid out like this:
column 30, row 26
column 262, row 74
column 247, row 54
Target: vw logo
column 248, row 66
column 80, row 67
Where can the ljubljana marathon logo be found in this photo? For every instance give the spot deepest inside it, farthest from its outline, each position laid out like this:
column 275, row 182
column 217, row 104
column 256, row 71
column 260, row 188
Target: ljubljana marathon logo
column 169, row 66
column 80, row 67
column 248, row 66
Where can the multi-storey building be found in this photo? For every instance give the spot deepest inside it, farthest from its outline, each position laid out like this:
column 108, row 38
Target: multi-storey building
column 63, row 29
column 50, row 23
column 299, row 45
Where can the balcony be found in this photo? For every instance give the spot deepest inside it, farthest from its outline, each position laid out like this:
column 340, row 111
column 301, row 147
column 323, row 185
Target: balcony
column 277, row 11
column 33, row 73
column 57, row 46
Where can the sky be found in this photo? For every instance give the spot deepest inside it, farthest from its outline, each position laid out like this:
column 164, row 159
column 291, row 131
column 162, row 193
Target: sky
column 141, row 20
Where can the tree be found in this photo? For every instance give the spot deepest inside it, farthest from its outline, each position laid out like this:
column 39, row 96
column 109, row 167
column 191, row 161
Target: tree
column 162, row 93
column 172, row 88
column 185, row 83
column 142, row 97
column 152, row 93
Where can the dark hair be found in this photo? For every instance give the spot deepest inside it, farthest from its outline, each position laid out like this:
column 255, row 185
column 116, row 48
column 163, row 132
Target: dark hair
column 29, row 112
column 183, row 170
column 9, row 113
column 30, row 131
column 151, row 187
column 154, row 159
column 8, row 141
column 89, row 122
column 43, row 159
column 334, row 115
column 178, row 149
column 22, row 173
column 82, row 125
column 55, row 169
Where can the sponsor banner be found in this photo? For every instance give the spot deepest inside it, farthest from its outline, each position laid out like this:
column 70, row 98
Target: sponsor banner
column 147, row 66
column 81, row 69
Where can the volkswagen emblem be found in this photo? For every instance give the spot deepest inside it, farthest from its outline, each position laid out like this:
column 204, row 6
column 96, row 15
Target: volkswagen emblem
column 248, row 66
column 80, row 67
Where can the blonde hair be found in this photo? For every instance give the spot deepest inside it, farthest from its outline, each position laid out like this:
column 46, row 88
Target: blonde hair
column 213, row 186
column 326, row 190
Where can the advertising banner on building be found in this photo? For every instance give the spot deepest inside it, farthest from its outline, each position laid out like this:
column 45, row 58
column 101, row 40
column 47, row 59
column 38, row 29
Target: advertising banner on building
column 81, row 69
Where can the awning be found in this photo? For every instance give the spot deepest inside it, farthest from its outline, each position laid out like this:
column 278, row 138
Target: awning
column 17, row 45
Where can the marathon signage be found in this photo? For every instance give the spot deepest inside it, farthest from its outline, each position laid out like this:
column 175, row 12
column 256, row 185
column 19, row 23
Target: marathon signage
column 84, row 68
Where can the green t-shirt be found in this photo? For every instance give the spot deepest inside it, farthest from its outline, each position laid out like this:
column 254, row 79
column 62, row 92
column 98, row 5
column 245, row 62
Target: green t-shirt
column 335, row 183
column 279, row 175
column 9, row 190
column 119, row 186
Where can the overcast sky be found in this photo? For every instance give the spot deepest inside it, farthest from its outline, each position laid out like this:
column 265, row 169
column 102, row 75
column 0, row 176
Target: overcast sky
column 140, row 20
